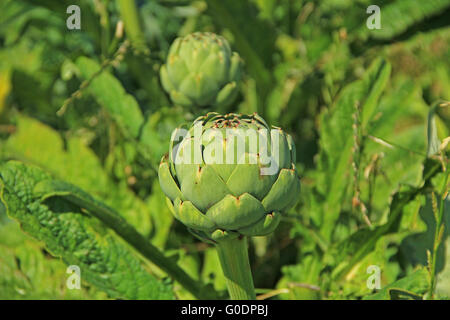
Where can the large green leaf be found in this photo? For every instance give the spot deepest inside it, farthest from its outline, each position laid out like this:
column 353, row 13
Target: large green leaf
column 345, row 254
column 27, row 271
column 78, row 239
column 110, row 94
column 76, row 163
column 414, row 247
column 59, row 190
column 336, row 140
column 400, row 163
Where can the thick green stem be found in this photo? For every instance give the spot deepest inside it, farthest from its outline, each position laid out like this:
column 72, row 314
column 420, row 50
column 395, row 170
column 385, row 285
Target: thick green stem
column 233, row 255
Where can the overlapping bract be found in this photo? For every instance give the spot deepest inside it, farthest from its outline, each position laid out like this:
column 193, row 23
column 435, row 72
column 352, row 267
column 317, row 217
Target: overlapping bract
column 201, row 71
column 218, row 201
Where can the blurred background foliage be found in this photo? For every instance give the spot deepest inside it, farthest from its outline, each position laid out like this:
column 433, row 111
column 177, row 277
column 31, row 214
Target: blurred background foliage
column 356, row 102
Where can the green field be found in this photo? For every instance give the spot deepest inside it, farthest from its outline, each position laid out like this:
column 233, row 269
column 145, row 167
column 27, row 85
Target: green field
column 86, row 115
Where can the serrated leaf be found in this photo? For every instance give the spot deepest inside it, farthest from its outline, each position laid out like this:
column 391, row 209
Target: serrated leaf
column 70, row 195
column 302, row 279
column 28, row 272
column 111, row 95
column 396, row 163
column 79, row 240
column 336, row 138
column 355, row 283
column 414, row 248
column 348, row 252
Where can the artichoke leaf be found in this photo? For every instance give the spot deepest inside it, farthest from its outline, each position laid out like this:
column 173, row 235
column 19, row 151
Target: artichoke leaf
column 202, row 186
column 284, row 191
column 264, row 226
column 227, row 94
column 247, row 178
column 168, row 184
column 190, row 216
column 232, row 213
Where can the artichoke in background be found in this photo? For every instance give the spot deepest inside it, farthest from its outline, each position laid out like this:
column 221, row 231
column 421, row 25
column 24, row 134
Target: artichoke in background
column 222, row 201
column 201, row 71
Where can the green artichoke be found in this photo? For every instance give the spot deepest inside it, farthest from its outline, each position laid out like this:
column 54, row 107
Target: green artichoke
column 219, row 201
column 201, row 71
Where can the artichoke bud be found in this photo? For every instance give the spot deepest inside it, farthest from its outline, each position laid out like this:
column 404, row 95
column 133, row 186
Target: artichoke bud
column 216, row 180
column 201, row 71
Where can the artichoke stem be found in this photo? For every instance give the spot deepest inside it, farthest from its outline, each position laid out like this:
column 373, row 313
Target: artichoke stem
column 233, row 255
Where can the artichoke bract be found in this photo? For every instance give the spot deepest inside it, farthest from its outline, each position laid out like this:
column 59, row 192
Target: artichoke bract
column 201, row 71
column 222, row 191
